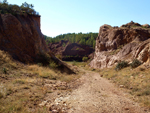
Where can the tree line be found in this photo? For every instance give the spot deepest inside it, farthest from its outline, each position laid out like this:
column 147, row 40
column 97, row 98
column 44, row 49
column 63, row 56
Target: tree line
column 84, row 39
column 25, row 8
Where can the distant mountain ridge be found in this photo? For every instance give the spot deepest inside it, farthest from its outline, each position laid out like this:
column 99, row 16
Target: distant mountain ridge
column 80, row 38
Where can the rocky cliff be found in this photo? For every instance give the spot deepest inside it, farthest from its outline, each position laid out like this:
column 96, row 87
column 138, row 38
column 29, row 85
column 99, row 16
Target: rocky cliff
column 21, row 36
column 115, row 44
column 70, row 51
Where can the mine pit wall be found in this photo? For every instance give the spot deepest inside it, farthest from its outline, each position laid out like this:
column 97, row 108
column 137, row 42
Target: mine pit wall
column 21, row 36
column 38, row 20
column 117, row 44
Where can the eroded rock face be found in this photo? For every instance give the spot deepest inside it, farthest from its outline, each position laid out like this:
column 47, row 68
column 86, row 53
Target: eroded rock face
column 21, row 36
column 76, row 51
column 115, row 44
column 58, row 47
column 71, row 51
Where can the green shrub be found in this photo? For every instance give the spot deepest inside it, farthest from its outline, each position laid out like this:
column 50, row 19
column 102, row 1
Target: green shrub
column 135, row 63
column 84, row 59
column 64, row 45
column 25, row 8
column 74, row 63
column 53, row 65
column 121, row 65
column 77, row 48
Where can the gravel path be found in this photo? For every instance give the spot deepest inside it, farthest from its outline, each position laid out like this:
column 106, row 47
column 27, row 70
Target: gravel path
column 98, row 95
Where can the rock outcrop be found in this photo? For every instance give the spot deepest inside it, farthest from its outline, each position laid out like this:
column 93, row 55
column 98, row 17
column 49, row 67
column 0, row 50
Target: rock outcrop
column 115, row 44
column 58, row 47
column 71, row 51
column 21, row 37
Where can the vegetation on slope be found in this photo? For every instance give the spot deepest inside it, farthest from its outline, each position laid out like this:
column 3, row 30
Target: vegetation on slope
column 25, row 8
column 135, row 63
column 136, row 81
column 83, row 39
column 24, row 87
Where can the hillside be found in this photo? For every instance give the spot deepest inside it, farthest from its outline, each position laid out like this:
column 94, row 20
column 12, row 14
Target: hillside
column 24, row 87
column 80, row 38
column 29, row 71
column 21, row 37
column 68, row 51
column 71, row 46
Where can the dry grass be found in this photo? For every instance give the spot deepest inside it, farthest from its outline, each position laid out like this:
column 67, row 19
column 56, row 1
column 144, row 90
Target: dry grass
column 135, row 81
column 43, row 72
column 22, row 86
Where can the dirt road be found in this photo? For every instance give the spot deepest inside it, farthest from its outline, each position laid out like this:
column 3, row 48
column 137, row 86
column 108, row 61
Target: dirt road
column 98, row 95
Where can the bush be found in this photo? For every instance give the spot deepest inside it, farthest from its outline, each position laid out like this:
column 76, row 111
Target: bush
column 135, row 63
column 53, row 65
column 84, row 59
column 43, row 59
column 74, row 63
column 25, row 8
column 64, row 45
column 121, row 65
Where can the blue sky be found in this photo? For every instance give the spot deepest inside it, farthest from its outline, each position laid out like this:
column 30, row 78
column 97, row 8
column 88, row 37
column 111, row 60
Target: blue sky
column 73, row 16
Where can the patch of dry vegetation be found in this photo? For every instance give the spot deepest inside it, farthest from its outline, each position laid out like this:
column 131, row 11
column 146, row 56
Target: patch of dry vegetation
column 135, row 81
column 24, row 87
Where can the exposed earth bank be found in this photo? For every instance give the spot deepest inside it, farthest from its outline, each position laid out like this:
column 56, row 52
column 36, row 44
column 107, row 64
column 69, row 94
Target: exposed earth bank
column 21, row 37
